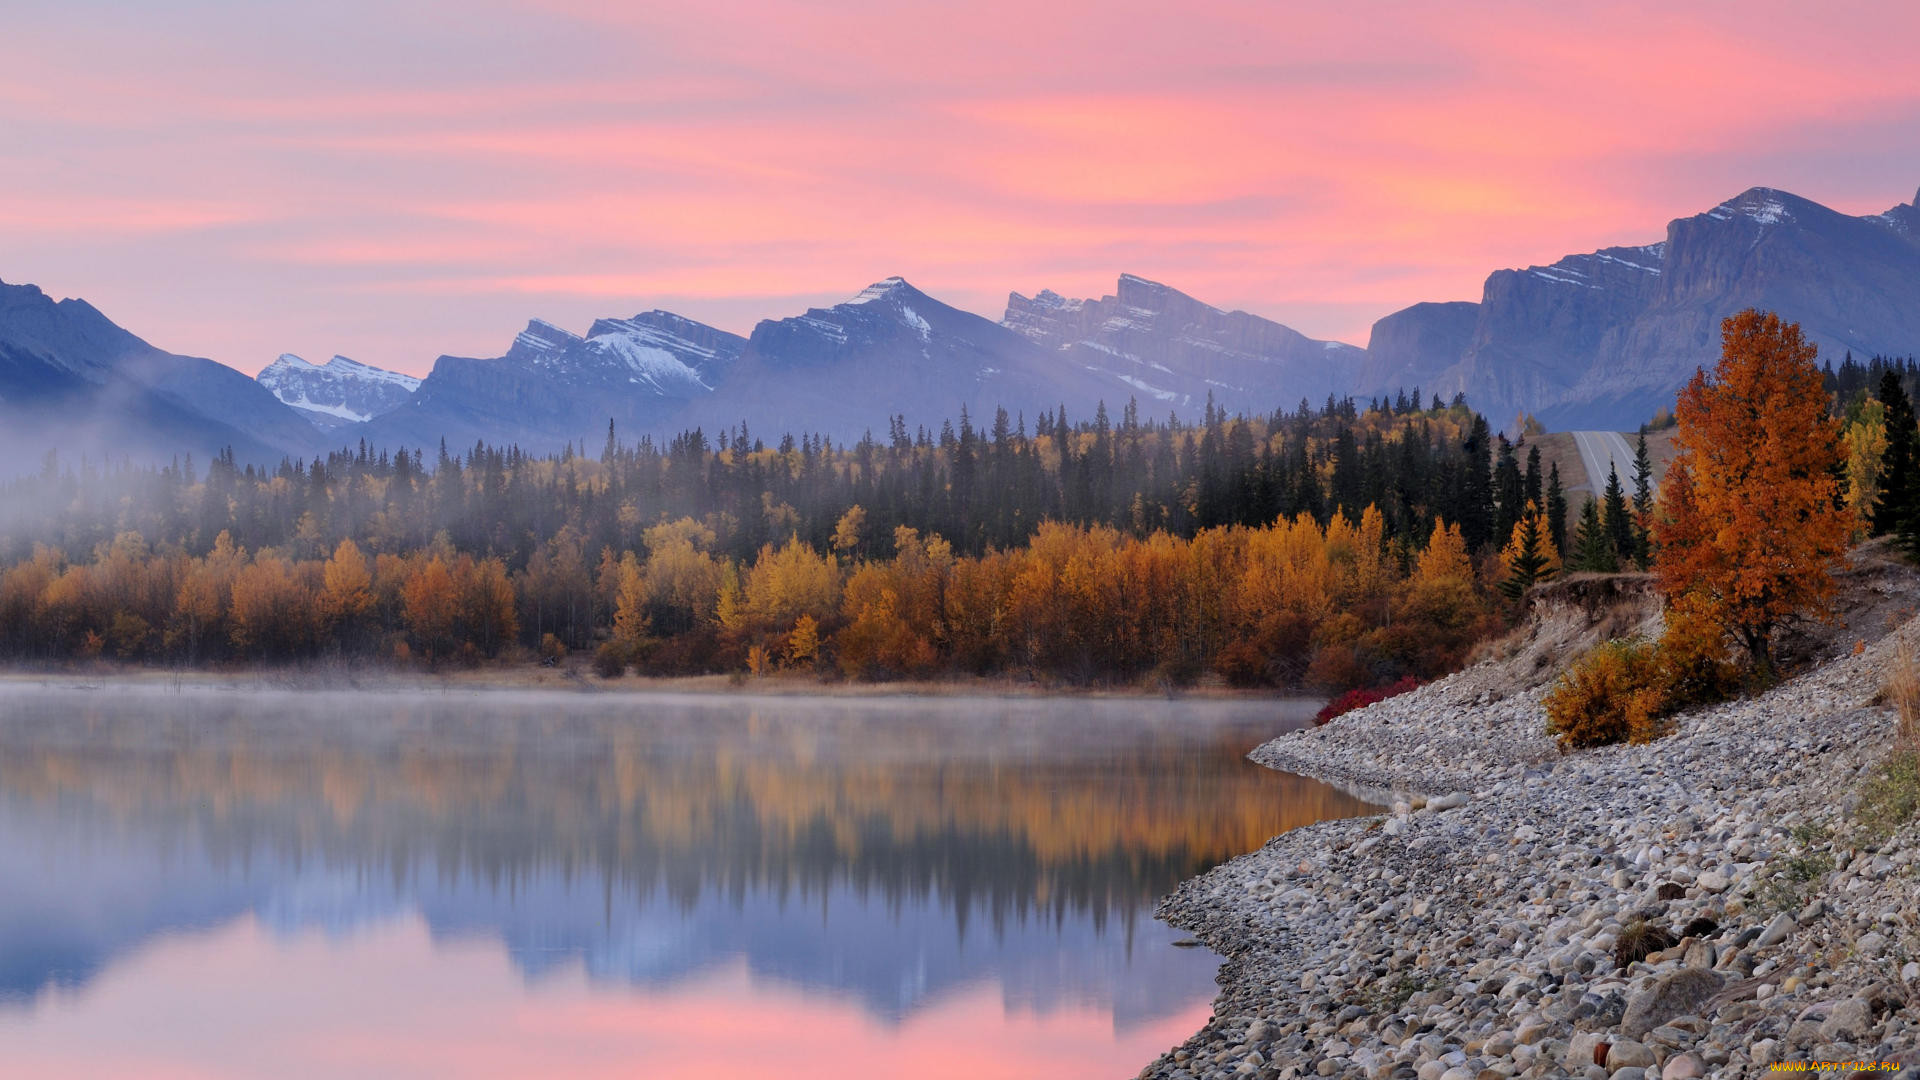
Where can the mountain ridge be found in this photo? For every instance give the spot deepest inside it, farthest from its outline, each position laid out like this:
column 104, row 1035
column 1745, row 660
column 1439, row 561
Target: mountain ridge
column 1605, row 338
column 1592, row 339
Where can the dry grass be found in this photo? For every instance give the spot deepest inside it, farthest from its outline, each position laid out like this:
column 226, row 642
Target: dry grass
column 1902, row 691
column 1888, row 798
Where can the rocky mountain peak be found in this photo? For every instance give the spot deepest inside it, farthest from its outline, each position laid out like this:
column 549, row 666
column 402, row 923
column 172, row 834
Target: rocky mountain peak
column 888, row 288
column 539, row 340
column 1159, row 344
column 339, row 391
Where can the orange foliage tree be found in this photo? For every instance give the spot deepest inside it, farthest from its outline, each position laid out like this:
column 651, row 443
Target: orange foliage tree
column 1750, row 529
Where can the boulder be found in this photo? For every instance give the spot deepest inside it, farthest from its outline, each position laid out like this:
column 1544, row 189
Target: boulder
column 1675, row 994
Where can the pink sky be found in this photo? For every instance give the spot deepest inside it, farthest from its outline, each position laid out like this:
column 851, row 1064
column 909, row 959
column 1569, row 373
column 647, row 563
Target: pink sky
column 240, row 1001
column 396, row 180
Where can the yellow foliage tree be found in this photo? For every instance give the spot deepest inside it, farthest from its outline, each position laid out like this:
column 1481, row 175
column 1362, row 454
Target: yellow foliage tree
column 803, row 643
column 346, row 587
column 429, row 606
column 1866, row 450
column 849, row 531
column 630, row 622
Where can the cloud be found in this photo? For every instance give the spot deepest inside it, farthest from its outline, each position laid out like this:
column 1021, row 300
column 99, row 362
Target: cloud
column 405, row 176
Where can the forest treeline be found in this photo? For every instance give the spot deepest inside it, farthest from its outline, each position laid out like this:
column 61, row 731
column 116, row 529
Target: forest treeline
column 1346, row 545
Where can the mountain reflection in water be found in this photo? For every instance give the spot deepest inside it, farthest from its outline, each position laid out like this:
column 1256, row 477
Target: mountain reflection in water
column 892, row 853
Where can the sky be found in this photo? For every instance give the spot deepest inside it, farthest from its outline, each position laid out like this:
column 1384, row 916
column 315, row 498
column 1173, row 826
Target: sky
column 399, row 179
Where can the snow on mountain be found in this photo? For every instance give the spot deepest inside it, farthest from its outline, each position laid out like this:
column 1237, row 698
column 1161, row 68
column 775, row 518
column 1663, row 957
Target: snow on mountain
column 553, row 386
column 1164, row 346
column 340, row 391
column 890, row 350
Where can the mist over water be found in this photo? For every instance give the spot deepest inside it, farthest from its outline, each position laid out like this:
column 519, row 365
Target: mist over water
column 962, row 882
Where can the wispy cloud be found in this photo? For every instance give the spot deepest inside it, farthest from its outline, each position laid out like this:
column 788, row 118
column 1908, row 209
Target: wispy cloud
column 393, row 181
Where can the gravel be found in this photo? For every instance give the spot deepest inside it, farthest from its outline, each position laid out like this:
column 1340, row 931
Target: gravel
column 1471, row 931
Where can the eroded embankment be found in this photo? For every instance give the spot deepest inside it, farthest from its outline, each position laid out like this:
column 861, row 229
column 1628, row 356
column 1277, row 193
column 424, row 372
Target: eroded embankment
column 1472, row 932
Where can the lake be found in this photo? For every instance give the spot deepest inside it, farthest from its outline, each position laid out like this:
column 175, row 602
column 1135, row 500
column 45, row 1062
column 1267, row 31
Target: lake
column 223, row 883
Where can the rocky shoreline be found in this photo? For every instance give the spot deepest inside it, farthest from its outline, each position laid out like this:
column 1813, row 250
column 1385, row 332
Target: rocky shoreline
column 1471, row 933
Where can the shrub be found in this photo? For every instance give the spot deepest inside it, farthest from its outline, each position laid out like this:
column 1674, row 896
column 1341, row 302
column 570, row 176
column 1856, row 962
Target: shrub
column 1902, row 691
column 610, row 660
column 552, row 649
column 1622, row 690
column 1361, row 698
column 1613, row 694
column 1891, row 796
column 1695, row 669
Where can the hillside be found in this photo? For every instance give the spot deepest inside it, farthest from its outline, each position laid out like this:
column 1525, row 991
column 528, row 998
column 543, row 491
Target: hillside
column 1493, row 899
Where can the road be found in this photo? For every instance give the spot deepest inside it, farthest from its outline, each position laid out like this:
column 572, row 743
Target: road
column 1598, row 450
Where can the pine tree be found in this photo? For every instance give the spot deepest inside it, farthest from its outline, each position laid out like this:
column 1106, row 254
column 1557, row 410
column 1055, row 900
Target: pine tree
column 1592, row 547
column 1898, row 511
column 1619, row 519
column 1475, row 509
column 1529, row 555
column 1556, row 507
column 1509, row 493
column 1642, row 503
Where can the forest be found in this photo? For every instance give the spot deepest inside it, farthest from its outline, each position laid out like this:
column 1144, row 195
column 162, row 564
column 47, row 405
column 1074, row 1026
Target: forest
column 1348, row 545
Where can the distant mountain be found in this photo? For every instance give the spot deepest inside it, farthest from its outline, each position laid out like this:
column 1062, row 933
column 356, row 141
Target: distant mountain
column 71, row 380
column 1601, row 339
column 553, row 387
column 1605, row 339
column 1170, row 350
column 891, row 350
column 338, row 392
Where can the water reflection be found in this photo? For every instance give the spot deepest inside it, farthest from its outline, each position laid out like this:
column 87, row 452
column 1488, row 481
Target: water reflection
column 896, row 856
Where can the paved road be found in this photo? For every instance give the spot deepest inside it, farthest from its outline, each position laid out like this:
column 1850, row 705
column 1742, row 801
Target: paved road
column 1598, row 450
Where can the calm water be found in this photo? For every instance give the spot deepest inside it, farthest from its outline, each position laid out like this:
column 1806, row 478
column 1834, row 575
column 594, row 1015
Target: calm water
column 218, row 884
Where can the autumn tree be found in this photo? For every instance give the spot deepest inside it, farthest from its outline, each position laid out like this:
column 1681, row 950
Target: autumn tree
column 487, row 619
column 850, row 531
column 1750, row 531
column 346, row 591
column 630, row 621
column 430, row 606
column 803, row 643
column 1866, row 446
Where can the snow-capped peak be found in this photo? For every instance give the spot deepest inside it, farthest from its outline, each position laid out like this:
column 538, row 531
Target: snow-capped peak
column 880, row 290
column 1763, row 206
column 337, row 392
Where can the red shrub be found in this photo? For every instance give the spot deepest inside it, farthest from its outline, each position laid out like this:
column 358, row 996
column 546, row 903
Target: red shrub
column 1356, row 699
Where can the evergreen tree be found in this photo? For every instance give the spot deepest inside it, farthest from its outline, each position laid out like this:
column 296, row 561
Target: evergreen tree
column 1534, row 494
column 1475, row 495
column 1556, row 508
column 1619, row 519
column 1642, row 503
column 1592, row 547
column 1898, row 511
column 1509, row 493
column 1528, row 556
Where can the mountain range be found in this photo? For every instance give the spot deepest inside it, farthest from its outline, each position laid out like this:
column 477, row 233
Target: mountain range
column 1595, row 340
column 1604, row 339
